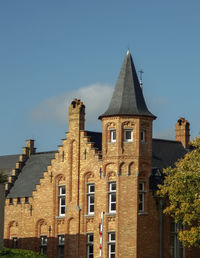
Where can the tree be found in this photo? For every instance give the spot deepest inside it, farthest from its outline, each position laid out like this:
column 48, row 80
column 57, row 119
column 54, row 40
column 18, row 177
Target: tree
column 181, row 189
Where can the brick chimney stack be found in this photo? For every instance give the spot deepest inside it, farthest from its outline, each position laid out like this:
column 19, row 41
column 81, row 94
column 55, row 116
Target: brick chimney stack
column 76, row 116
column 183, row 132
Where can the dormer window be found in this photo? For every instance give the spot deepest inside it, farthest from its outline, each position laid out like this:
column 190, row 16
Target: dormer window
column 128, row 135
column 112, row 135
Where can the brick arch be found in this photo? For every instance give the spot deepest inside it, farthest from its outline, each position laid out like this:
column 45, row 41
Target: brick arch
column 111, row 166
column 38, row 227
column 59, row 178
column 131, row 168
column 122, row 168
column 12, row 228
column 88, row 176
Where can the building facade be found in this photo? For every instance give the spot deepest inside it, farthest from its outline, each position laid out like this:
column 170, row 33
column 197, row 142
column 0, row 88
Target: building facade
column 96, row 195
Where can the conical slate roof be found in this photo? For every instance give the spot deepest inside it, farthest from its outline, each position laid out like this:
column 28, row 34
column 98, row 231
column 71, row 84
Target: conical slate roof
column 127, row 98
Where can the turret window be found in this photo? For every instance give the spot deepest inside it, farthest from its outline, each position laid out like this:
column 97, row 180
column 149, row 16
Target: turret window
column 112, row 135
column 128, row 135
column 142, row 135
column 141, row 197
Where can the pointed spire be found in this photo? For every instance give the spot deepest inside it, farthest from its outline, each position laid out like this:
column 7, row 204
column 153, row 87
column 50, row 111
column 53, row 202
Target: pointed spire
column 127, row 98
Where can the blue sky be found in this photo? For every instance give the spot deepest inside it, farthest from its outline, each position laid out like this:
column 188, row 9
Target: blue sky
column 53, row 51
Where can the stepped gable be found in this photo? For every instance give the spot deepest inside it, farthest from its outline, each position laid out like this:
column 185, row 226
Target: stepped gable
column 8, row 163
column 31, row 174
column 164, row 154
column 127, row 98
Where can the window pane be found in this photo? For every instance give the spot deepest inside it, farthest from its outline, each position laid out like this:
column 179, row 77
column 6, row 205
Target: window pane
column 113, row 186
column 62, row 201
column 128, row 135
column 113, row 197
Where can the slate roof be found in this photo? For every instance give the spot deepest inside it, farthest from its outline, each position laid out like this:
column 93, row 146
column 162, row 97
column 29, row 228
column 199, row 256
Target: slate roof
column 7, row 163
column 96, row 138
column 127, row 98
column 31, row 174
column 164, row 154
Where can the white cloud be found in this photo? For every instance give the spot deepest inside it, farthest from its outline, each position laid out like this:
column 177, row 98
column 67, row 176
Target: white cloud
column 95, row 97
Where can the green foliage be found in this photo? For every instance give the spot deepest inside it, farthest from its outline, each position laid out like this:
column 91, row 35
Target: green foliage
column 3, row 178
column 181, row 189
column 18, row 253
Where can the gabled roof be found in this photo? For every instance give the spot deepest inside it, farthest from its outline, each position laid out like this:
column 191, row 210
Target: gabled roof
column 127, row 98
column 30, row 175
column 7, row 163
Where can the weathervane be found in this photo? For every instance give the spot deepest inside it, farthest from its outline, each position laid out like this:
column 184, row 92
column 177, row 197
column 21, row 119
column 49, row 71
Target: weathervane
column 141, row 72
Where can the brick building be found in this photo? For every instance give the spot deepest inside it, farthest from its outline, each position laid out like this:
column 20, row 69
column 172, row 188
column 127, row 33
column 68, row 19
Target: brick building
column 56, row 201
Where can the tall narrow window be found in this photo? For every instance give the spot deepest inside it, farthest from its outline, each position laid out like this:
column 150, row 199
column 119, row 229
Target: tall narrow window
column 61, row 243
column 176, row 247
column 111, row 245
column 43, row 245
column 15, row 242
column 90, row 198
column 141, row 197
column 142, row 135
column 90, row 245
column 128, row 135
column 112, row 135
column 112, row 197
column 61, row 200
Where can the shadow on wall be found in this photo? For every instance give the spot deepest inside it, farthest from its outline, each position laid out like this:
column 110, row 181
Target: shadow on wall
column 63, row 246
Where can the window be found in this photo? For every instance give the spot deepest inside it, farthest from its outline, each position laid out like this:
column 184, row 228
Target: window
column 61, row 199
column 43, row 245
column 90, row 243
column 90, row 198
column 141, row 197
column 112, row 197
column 176, row 247
column 142, row 135
column 61, row 243
column 11, row 201
column 112, row 135
column 26, row 200
column 111, row 245
column 18, row 200
column 15, row 242
column 128, row 135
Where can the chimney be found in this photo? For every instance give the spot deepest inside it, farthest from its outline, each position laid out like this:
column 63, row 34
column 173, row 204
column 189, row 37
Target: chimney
column 29, row 149
column 76, row 116
column 183, row 132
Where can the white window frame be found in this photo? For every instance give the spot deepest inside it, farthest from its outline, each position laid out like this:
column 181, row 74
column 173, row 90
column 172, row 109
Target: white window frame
column 111, row 243
column 90, row 245
column 112, row 195
column 61, row 244
column 143, row 135
column 43, row 244
column 141, row 194
column 61, row 198
column 113, row 135
column 90, row 198
column 125, row 135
